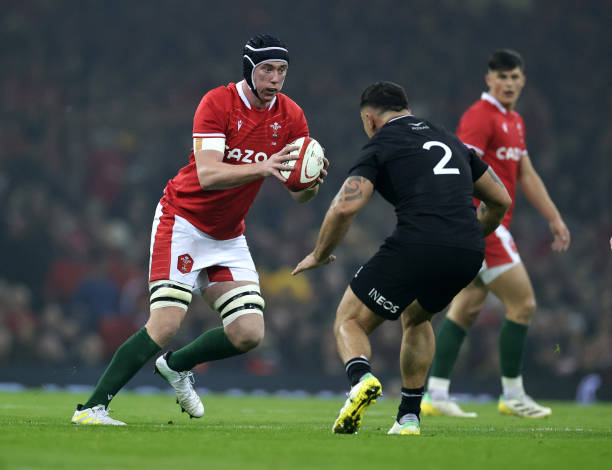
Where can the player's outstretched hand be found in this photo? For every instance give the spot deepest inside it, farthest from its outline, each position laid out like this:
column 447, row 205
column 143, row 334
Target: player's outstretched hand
column 311, row 262
column 274, row 164
column 561, row 235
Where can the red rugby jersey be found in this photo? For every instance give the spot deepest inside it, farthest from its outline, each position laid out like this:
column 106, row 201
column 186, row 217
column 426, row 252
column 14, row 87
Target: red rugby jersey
column 498, row 135
column 251, row 135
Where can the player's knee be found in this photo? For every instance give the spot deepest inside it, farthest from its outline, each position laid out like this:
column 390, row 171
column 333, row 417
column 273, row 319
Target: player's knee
column 167, row 330
column 465, row 317
column 471, row 315
column 163, row 324
column 169, row 303
column 524, row 311
column 246, row 332
column 248, row 338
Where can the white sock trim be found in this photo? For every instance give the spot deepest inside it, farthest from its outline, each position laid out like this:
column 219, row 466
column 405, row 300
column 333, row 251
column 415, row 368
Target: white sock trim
column 513, row 382
column 438, row 387
column 512, row 386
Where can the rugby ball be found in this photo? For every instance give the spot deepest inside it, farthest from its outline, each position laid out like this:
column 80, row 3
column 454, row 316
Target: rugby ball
column 307, row 167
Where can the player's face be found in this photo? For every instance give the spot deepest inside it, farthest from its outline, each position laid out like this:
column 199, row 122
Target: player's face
column 268, row 79
column 506, row 85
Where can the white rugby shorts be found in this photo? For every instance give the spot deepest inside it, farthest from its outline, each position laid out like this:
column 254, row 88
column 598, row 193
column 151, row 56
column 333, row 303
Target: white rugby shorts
column 180, row 252
column 500, row 255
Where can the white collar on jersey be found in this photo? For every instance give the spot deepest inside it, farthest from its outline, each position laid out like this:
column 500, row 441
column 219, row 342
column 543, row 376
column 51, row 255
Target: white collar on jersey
column 399, row 117
column 487, row 97
column 244, row 98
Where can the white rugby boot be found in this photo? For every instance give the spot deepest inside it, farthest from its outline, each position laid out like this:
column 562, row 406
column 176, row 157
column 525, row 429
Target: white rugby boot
column 446, row 407
column 182, row 383
column 95, row 415
column 523, row 406
column 408, row 425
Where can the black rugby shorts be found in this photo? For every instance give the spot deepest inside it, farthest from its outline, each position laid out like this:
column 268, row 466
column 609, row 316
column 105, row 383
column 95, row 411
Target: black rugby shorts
column 398, row 274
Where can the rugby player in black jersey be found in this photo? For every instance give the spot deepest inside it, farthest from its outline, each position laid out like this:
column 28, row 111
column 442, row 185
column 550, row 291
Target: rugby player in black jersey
column 437, row 248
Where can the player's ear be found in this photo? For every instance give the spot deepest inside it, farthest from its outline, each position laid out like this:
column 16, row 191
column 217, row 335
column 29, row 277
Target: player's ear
column 487, row 78
column 370, row 124
column 365, row 120
column 373, row 123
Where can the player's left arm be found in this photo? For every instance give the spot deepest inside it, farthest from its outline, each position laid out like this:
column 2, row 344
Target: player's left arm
column 306, row 194
column 352, row 197
column 535, row 191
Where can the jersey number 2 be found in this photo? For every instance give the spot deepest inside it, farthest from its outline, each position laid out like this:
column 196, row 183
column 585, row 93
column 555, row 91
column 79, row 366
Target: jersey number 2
column 440, row 168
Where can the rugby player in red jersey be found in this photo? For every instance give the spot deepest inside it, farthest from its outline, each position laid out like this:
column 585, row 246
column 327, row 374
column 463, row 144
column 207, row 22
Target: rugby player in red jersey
column 240, row 137
column 496, row 132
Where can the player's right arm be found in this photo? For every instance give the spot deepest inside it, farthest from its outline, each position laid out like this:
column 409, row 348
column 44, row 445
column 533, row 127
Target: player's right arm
column 213, row 173
column 494, row 198
column 352, row 197
column 535, row 190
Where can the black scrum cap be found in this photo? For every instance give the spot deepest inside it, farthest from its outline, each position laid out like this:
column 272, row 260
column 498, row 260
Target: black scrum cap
column 258, row 50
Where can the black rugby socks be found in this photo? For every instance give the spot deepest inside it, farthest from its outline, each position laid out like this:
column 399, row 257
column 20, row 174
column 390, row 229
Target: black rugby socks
column 357, row 368
column 411, row 402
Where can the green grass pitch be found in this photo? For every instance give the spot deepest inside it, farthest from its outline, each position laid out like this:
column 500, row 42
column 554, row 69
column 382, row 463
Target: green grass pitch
column 291, row 433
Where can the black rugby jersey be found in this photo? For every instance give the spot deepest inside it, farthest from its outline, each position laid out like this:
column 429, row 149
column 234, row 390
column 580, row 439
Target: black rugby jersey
column 427, row 174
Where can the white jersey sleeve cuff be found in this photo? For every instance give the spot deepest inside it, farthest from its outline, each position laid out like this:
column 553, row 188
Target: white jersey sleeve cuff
column 210, row 142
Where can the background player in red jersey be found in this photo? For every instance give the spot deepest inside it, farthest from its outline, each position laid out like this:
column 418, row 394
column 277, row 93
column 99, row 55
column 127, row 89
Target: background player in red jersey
column 240, row 137
column 497, row 133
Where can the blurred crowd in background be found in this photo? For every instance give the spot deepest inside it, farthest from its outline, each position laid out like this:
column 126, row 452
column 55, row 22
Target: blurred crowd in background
column 97, row 101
